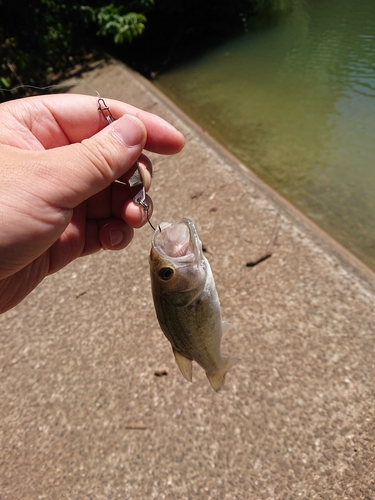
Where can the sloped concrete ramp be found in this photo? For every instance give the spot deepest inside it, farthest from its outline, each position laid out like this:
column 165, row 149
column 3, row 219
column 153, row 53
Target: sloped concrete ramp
column 92, row 405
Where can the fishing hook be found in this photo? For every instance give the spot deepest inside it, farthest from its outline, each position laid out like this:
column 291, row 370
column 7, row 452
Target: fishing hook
column 136, row 179
column 139, row 199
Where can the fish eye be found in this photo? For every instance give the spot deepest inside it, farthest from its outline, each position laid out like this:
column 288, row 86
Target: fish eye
column 166, row 273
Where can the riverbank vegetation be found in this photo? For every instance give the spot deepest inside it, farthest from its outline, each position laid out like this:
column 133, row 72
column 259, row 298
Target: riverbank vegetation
column 40, row 41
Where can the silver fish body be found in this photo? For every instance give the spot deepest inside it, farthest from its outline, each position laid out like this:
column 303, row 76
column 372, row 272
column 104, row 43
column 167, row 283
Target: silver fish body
column 186, row 302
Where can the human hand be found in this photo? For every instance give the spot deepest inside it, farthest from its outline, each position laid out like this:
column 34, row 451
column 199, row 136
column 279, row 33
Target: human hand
column 58, row 196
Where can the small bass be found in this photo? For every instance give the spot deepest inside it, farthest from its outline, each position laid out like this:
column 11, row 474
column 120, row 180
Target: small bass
column 186, row 302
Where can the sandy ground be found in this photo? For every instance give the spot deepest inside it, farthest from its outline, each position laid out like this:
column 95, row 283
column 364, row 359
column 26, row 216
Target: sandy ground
column 82, row 413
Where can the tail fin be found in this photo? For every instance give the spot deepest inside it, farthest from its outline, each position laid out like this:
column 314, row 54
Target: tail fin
column 217, row 378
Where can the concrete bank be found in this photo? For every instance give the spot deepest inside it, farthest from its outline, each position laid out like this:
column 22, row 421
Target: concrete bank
column 82, row 413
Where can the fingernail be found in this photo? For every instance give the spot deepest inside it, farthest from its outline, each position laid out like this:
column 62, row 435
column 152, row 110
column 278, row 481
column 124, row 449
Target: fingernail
column 146, row 176
column 115, row 236
column 130, row 130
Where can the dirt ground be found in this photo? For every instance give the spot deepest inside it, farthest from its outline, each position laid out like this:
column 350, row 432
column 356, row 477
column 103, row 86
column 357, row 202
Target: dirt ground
column 92, row 405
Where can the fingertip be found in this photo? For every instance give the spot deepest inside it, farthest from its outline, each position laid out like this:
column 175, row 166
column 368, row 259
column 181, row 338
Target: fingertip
column 136, row 215
column 115, row 235
column 130, row 130
column 165, row 140
column 180, row 141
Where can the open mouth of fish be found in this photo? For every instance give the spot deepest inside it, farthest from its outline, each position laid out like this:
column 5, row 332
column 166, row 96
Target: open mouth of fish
column 177, row 240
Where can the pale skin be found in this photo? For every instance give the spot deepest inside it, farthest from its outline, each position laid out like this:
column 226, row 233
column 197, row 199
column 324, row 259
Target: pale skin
column 58, row 196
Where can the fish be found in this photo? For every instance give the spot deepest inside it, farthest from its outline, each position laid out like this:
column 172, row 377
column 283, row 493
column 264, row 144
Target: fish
column 186, row 301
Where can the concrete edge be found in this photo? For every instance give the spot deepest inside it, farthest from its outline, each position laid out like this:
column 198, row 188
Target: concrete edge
column 331, row 246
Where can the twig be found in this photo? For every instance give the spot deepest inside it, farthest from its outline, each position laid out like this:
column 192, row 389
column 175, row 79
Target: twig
column 269, row 249
column 15, row 74
column 7, row 363
column 162, row 371
column 197, row 193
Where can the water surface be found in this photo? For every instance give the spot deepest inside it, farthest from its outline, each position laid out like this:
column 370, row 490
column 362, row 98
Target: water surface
column 294, row 99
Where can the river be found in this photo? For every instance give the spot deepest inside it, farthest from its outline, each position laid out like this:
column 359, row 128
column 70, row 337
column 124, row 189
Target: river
column 294, row 99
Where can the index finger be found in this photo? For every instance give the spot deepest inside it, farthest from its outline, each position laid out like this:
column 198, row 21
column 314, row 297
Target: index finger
column 61, row 119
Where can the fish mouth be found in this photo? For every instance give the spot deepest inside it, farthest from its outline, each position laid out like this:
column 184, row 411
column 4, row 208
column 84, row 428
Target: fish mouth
column 177, row 240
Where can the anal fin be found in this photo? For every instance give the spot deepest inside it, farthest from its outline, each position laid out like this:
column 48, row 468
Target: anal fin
column 185, row 365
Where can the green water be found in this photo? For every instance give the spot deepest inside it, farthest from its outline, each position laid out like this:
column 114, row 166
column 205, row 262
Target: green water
column 294, row 99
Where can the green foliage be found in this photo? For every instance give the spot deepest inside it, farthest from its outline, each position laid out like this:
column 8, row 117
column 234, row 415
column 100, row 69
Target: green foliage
column 180, row 29
column 112, row 20
column 40, row 39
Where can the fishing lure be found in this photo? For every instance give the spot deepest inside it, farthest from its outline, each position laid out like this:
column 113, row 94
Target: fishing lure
column 136, row 179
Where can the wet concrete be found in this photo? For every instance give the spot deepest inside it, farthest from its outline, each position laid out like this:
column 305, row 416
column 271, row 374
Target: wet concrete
column 82, row 413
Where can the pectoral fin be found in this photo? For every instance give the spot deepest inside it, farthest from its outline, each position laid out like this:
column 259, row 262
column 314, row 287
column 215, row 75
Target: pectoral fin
column 217, row 378
column 185, row 365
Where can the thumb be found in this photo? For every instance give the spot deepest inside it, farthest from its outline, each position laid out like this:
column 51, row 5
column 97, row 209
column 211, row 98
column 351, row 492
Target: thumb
column 83, row 169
